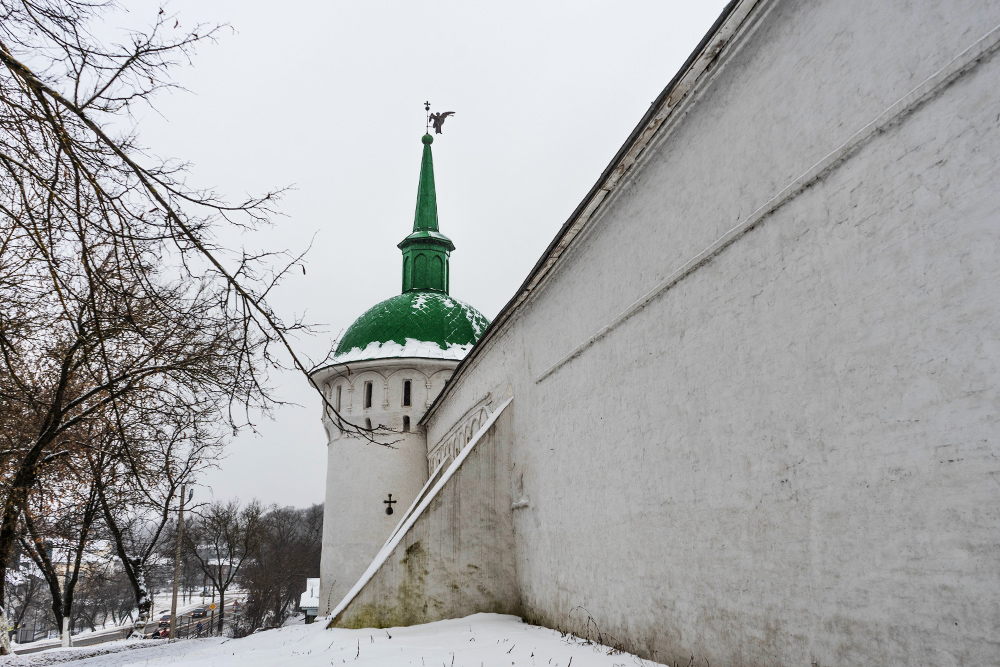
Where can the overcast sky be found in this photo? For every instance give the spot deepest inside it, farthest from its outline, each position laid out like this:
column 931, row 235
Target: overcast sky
column 328, row 96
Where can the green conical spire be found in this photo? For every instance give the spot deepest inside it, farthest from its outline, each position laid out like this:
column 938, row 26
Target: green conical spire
column 426, row 250
column 426, row 216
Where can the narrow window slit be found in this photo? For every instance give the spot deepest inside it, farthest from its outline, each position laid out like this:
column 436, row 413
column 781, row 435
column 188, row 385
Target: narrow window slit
column 406, row 424
column 406, row 393
column 368, row 394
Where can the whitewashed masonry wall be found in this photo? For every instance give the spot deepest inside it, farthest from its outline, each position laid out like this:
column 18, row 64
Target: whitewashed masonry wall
column 790, row 455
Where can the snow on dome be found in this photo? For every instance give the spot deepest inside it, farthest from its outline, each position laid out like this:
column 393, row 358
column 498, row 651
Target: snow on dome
column 412, row 348
column 418, row 323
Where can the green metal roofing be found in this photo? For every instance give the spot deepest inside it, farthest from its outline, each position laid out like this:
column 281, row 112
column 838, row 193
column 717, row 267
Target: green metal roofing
column 413, row 324
column 426, row 215
column 426, row 250
column 423, row 321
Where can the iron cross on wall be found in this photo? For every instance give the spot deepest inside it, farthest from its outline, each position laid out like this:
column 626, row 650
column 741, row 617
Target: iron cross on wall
column 388, row 504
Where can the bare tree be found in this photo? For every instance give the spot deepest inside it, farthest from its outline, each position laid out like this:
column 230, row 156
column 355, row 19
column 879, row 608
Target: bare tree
column 221, row 539
column 113, row 287
column 288, row 555
column 138, row 481
column 74, row 182
column 113, row 364
column 59, row 528
column 25, row 587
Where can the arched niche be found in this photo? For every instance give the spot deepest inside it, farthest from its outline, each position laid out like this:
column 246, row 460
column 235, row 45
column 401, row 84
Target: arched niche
column 420, row 270
column 437, row 273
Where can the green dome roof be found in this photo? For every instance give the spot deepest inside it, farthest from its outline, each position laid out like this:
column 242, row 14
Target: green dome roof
column 423, row 321
column 414, row 324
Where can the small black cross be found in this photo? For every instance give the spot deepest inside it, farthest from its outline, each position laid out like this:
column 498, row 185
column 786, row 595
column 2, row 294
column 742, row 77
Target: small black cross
column 388, row 509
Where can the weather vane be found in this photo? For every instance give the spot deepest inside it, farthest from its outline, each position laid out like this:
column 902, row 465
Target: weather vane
column 435, row 119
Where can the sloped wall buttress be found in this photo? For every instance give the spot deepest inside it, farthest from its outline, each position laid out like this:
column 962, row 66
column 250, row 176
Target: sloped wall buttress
column 458, row 556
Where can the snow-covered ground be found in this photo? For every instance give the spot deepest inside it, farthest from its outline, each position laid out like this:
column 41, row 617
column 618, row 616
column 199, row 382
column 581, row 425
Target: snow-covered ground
column 482, row 640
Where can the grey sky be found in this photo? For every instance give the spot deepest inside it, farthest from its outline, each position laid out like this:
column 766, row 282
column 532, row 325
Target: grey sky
column 327, row 97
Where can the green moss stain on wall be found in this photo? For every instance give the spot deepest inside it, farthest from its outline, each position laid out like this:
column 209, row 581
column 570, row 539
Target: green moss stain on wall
column 411, row 599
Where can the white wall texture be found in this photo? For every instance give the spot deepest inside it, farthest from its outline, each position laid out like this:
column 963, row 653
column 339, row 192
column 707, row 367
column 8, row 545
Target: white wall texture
column 361, row 474
column 791, row 455
column 458, row 557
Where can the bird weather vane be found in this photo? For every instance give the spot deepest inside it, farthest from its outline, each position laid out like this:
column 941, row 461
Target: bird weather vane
column 435, row 119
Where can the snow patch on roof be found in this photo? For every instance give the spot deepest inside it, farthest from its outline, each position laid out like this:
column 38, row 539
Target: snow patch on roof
column 476, row 320
column 413, row 348
column 420, row 302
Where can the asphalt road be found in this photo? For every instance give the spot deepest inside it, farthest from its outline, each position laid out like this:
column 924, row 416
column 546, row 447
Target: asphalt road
column 186, row 622
column 101, row 637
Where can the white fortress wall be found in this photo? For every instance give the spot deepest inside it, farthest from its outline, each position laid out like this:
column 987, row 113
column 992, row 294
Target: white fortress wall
column 790, row 455
column 455, row 556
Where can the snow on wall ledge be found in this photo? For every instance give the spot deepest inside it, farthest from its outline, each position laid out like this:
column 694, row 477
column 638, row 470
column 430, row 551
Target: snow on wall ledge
column 454, row 554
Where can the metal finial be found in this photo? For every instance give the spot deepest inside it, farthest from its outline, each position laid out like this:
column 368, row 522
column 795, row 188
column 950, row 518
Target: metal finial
column 437, row 120
column 427, row 126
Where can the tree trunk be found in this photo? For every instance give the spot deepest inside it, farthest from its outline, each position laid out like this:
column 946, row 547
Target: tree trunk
column 8, row 537
column 143, row 601
column 5, row 630
column 134, row 567
column 222, row 608
column 26, row 474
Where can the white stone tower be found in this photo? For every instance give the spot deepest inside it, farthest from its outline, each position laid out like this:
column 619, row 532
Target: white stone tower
column 388, row 368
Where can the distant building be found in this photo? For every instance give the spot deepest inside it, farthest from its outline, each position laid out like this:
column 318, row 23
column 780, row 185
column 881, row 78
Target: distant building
column 309, row 600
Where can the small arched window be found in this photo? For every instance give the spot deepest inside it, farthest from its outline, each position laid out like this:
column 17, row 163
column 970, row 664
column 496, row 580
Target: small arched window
column 406, row 392
column 368, row 424
column 339, row 390
column 406, row 424
column 368, row 394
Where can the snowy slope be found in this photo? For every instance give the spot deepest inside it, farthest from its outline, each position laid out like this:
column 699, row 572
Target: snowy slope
column 481, row 640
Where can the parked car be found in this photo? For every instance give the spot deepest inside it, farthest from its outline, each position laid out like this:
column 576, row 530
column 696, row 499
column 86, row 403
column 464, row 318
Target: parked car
column 165, row 620
column 200, row 612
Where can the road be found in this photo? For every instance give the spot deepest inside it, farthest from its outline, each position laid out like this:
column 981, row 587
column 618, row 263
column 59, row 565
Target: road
column 103, row 636
column 187, row 623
